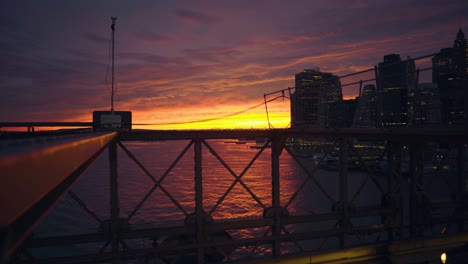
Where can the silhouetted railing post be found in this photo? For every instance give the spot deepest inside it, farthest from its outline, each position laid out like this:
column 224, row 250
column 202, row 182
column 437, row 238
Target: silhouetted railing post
column 378, row 94
column 343, row 203
column 199, row 200
column 275, row 194
column 394, row 199
column 114, row 201
column 417, row 200
column 461, row 186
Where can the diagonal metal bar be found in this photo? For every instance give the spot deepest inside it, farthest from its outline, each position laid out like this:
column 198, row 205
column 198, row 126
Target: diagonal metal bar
column 256, row 245
column 84, row 206
column 325, row 240
column 301, row 164
column 295, row 241
column 370, row 172
column 158, row 183
column 305, row 181
column 358, row 191
column 140, row 204
column 132, row 157
column 237, row 178
column 101, row 250
column 24, row 252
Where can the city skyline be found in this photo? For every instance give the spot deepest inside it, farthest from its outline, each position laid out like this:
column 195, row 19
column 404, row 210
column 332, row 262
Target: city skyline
column 178, row 62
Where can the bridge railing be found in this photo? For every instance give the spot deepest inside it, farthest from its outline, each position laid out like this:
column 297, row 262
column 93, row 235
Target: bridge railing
column 368, row 186
column 35, row 173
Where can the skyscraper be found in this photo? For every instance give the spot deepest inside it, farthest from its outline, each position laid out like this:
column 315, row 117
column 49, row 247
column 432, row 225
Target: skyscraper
column 460, row 55
column 424, row 105
column 310, row 101
column 450, row 72
column 442, row 65
column 394, row 78
column 342, row 113
column 366, row 110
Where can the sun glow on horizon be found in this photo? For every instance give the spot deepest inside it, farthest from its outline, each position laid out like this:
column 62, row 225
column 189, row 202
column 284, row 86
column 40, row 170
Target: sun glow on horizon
column 215, row 117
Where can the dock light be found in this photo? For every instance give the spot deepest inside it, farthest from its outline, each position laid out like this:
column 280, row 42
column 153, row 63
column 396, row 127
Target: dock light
column 443, row 258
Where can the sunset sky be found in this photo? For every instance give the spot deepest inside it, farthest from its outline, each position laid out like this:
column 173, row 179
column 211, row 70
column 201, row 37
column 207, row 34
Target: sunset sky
column 178, row 62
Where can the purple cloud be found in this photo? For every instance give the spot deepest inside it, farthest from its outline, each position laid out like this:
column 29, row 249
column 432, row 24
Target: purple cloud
column 153, row 38
column 193, row 17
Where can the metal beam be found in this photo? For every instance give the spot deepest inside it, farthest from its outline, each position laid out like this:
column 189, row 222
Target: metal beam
column 395, row 134
column 199, row 213
column 345, row 221
column 408, row 251
column 276, row 149
column 35, row 176
column 114, row 202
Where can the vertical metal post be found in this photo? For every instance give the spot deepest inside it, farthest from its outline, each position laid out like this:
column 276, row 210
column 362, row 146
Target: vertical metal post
column 360, row 87
column 113, row 34
column 418, row 209
column 416, row 84
column 394, row 200
column 461, row 182
column 413, row 208
column 266, row 109
column 378, row 95
column 199, row 201
column 344, row 191
column 275, row 194
column 390, row 180
column 114, row 201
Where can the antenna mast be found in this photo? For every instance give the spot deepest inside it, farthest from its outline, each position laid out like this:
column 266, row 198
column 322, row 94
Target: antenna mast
column 113, row 32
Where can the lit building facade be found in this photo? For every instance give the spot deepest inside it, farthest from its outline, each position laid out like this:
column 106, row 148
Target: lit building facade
column 394, row 78
column 424, row 105
column 313, row 94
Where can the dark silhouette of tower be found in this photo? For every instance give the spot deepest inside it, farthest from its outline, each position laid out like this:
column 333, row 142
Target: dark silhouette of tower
column 442, row 65
column 310, row 101
column 394, row 78
column 450, row 72
column 460, row 55
column 342, row 113
column 366, row 110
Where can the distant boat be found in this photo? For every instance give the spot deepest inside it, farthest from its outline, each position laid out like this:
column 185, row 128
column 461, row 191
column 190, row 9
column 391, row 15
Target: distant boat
column 259, row 146
column 238, row 141
column 325, row 157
